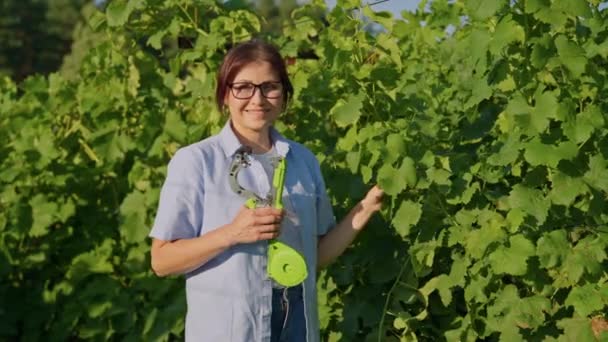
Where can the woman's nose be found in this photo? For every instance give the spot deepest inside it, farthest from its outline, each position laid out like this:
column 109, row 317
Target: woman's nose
column 257, row 95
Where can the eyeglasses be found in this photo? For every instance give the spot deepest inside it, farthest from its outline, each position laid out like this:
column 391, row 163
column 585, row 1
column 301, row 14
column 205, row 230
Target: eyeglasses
column 245, row 90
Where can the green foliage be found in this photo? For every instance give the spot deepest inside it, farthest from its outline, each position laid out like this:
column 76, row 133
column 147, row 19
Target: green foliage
column 487, row 132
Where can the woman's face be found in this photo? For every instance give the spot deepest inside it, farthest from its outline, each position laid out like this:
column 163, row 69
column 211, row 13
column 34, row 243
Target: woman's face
column 255, row 114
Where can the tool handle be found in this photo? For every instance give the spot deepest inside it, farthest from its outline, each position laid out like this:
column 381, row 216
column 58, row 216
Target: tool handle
column 278, row 181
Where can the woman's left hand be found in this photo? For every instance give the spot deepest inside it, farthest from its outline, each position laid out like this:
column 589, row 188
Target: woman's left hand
column 373, row 200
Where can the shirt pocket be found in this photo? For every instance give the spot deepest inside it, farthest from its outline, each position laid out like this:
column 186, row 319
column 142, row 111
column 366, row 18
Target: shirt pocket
column 303, row 200
column 304, row 203
column 221, row 208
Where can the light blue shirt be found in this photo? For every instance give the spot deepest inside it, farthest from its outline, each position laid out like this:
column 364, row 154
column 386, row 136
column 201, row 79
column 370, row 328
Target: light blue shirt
column 230, row 297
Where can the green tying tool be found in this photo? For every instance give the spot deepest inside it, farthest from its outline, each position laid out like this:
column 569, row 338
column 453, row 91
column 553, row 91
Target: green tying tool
column 285, row 265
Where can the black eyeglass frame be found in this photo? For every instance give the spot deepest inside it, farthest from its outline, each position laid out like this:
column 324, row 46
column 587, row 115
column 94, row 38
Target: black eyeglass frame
column 256, row 86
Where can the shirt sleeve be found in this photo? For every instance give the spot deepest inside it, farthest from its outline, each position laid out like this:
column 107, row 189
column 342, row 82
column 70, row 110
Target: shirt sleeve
column 180, row 207
column 325, row 213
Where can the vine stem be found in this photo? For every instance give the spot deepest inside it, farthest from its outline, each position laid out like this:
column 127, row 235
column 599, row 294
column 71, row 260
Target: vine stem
column 388, row 297
column 405, row 263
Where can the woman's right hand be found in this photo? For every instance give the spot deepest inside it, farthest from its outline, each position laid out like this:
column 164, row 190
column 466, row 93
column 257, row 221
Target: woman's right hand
column 251, row 225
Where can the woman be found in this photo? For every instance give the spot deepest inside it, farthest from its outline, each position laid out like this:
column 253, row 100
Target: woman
column 203, row 230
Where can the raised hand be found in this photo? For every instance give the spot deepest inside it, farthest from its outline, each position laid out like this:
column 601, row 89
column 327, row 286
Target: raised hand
column 373, row 199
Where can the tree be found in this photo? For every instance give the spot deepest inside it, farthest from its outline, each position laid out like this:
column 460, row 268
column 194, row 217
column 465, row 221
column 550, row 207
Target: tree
column 275, row 15
column 35, row 35
column 83, row 39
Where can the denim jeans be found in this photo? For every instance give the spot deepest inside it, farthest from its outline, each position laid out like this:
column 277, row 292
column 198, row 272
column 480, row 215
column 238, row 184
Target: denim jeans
column 288, row 323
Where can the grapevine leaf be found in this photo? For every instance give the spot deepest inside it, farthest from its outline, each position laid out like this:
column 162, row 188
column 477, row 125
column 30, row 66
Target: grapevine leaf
column 45, row 144
column 438, row 175
column 118, row 12
column 383, row 18
column 443, row 284
column 42, row 214
column 465, row 217
column 500, row 315
column 508, row 152
column 565, row 189
column 133, row 213
column 391, row 180
column 368, row 132
column 349, row 140
column 515, row 218
column 540, row 53
column 597, row 176
column 586, row 299
column 95, row 261
column 586, row 257
column 475, row 291
column 575, row 8
column 352, row 160
column 366, row 173
column 481, row 91
column 335, row 337
column 406, row 216
column 479, row 41
column 149, row 320
column 458, row 270
column 552, row 248
column 389, row 43
column 551, row 16
column 516, row 114
column 517, row 106
column 531, row 311
column 395, row 146
column 544, row 109
column 155, row 40
column 422, row 257
column 512, row 259
column 576, row 329
column 175, row 126
column 532, row 6
column 480, row 239
column 580, row 128
column 530, row 201
column 463, row 192
column 408, row 170
column 108, row 146
column 571, row 55
column 96, row 309
column 483, row 9
column 507, row 31
column 347, row 111
column 510, row 332
column 538, row 153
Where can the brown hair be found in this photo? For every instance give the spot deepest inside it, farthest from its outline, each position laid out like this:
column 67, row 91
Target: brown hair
column 248, row 52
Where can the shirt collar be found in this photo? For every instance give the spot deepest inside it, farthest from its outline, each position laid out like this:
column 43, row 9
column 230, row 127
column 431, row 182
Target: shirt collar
column 230, row 143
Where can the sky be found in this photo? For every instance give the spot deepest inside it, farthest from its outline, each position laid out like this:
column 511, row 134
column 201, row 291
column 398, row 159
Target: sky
column 394, row 6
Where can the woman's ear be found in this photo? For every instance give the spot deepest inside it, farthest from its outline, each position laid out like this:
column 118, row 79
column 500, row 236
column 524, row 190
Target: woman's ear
column 225, row 108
